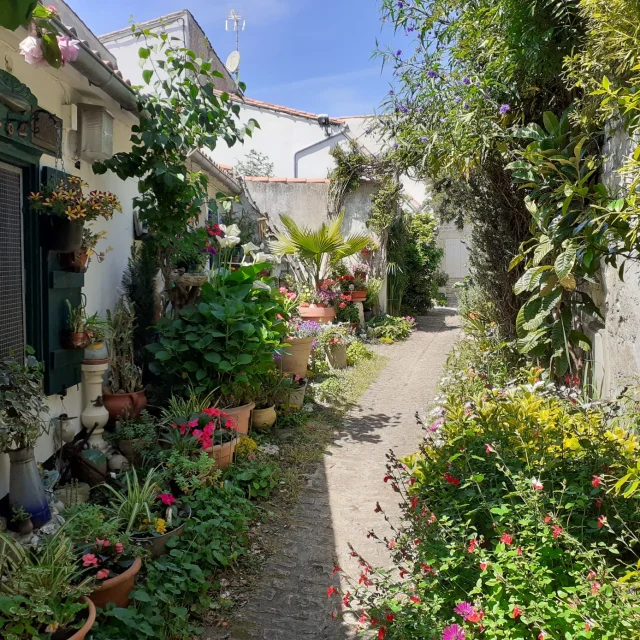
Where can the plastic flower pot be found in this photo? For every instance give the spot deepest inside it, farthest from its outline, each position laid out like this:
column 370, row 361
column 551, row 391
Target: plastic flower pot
column 322, row 315
column 358, row 296
column 337, row 355
column 25, row 486
column 263, row 419
column 295, row 356
column 60, row 234
column 119, row 403
column 81, row 633
column 158, row 544
column 116, row 589
column 241, row 416
column 223, row 453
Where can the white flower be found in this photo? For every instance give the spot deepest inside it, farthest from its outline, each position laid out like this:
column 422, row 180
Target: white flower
column 31, row 49
column 228, row 241
column 260, row 256
column 249, row 247
column 258, row 284
column 231, row 230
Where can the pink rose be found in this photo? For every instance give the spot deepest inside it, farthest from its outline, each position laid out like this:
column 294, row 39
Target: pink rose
column 102, row 574
column 31, row 49
column 69, row 49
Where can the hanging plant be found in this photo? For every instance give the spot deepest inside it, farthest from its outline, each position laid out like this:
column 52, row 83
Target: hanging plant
column 16, row 13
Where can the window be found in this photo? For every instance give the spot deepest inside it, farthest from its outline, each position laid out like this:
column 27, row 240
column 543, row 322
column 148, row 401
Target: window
column 12, row 333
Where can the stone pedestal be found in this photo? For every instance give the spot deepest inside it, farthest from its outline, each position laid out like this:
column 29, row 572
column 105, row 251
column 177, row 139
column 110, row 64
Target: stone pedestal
column 360, row 309
column 94, row 412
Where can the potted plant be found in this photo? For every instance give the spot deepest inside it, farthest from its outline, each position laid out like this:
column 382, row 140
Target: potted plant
column 264, row 415
column 43, row 591
column 361, row 270
column 76, row 336
column 293, row 392
column 335, row 340
column 78, row 261
column 125, row 392
column 354, row 287
column 135, row 435
column 64, row 208
column 21, row 407
column 96, row 330
column 321, row 303
column 294, row 353
column 347, row 312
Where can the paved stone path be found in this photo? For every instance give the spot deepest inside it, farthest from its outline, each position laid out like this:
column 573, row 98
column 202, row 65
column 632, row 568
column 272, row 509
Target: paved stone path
column 337, row 506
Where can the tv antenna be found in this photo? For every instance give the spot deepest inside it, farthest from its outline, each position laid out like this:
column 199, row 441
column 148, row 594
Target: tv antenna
column 234, row 22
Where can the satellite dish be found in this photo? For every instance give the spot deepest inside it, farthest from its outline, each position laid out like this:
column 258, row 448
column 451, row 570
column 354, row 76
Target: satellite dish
column 233, row 62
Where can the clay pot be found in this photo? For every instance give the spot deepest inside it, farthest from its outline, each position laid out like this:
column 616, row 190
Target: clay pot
column 223, row 453
column 60, row 234
column 81, row 633
column 117, row 589
column 75, row 261
column 358, row 296
column 263, row 419
column 323, row 315
column 241, row 416
column 296, row 397
column 119, row 403
column 76, row 340
column 337, row 356
column 295, row 356
column 128, row 448
column 360, row 274
column 158, row 544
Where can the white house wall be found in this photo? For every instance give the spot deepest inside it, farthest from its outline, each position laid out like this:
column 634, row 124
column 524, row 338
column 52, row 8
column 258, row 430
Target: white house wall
column 54, row 89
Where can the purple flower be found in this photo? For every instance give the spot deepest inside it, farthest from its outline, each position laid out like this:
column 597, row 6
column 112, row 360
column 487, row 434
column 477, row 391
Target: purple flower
column 432, row 74
column 404, row 109
column 400, row 5
column 424, row 139
column 466, row 81
column 391, row 92
column 367, row 132
column 505, row 108
column 453, row 632
column 399, row 52
column 458, row 99
column 395, row 146
column 466, row 105
column 465, row 610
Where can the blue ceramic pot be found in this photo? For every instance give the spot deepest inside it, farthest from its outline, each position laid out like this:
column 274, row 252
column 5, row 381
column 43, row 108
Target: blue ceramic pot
column 25, row 487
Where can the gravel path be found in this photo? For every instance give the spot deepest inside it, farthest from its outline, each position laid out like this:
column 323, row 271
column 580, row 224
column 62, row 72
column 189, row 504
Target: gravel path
column 337, row 506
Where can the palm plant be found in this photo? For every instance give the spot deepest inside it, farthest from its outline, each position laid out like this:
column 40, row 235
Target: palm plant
column 318, row 249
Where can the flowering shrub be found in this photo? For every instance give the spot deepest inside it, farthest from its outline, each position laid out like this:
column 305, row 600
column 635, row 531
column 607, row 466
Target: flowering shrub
column 209, row 428
column 299, row 328
column 351, row 283
column 105, row 558
column 391, row 328
column 67, row 200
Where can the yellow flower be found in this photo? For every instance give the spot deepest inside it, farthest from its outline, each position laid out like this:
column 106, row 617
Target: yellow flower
column 161, row 526
column 52, row 627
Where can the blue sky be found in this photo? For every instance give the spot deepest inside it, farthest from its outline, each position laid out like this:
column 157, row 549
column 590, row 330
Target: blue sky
column 306, row 54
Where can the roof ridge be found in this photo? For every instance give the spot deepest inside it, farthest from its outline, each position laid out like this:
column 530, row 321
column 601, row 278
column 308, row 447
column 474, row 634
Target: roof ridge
column 286, row 180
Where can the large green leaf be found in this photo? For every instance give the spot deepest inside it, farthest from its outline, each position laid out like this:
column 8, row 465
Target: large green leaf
column 15, row 13
column 565, row 262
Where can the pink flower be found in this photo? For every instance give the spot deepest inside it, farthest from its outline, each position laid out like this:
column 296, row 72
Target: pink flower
column 489, row 449
column 465, row 610
column 596, row 481
column 556, row 531
column 483, row 566
column 230, row 423
column 166, row 498
column 102, row 543
column 414, row 599
column 517, row 612
column 69, row 49
column 330, row 591
column 192, row 424
column 536, row 484
column 453, row 632
column 88, row 560
column 506, row 538
column 472, row 545
column 119, row 547
column 591, row 575
column 102, row 574
column 31, row 49
column 595, row 587
column 602, row 520
column 519, row 551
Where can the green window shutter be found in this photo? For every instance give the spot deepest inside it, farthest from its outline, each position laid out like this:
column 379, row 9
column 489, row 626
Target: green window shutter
column 62, row 366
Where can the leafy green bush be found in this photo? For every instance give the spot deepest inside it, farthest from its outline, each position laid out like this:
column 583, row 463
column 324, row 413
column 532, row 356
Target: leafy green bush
column 257, row 478
column 390, row 328
column 226, row 341
column 358, row 351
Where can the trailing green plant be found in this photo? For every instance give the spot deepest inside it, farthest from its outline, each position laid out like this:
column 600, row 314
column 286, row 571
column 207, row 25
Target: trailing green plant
column 142, row 431
column 179, row 113
column 226, row 342
column 22, row 402
column 577, row 227
column 257, row 478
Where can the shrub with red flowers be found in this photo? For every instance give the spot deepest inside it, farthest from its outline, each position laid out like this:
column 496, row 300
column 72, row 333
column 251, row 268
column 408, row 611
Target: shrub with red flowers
column 204, row 430
column 105, row 559
column 349, row 283
column 509, row 530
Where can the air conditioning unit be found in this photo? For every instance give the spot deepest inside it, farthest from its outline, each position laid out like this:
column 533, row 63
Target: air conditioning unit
column 96, row 132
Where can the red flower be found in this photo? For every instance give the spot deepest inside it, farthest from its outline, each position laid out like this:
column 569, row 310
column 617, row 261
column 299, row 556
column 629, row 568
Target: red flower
column 541, row 635
column 598, row 503
column 330, row 591
column 378, row 508
column 547, row 519
column 519, row 551
column 591, row 575
column 392, row 544
column 506, row 538
column 336, row 569
column 414, row 599
column 390, row 617
column 596, row 481
column 595, row 587
column 387, row 478
column 102, row 574
column 475, row 617
column 346, row 599
column 556, row 531
column 517, row 612
column 403, row 572
column 364, row 580
column 166, row 498
column 602, row 520
column 414, row 502
column 342, row 305
column 483, row 566
column 472, row 545
column 381, row 633
column 89, row 559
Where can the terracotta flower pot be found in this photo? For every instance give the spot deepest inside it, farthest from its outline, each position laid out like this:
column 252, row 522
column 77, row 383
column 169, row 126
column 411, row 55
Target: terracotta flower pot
column 358, row 296
column 76, row 340
column 295, row 356
column 337, row 356
column 81, row 633
column 263, row 419
column 75, row 261
column 119, row 403
column 158, row 544
column 223, row 453
column 318, row 314
column 117, row 589
column 241, row 416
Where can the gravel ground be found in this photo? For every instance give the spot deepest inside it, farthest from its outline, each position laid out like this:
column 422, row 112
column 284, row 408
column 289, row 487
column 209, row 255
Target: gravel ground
column 337, row 506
